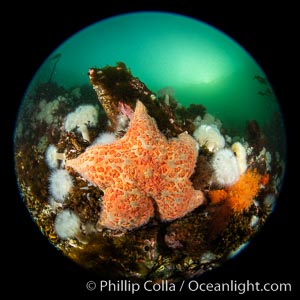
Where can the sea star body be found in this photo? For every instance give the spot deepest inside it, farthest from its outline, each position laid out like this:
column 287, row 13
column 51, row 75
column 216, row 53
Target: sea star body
column 141, row 171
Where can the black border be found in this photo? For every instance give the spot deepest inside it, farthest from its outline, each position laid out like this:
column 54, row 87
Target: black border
column 32, row 32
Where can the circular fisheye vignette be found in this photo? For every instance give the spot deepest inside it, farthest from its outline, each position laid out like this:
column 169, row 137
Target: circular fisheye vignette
column 149, row 145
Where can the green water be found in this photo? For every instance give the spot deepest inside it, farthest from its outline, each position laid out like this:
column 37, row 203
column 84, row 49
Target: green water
column 202, row 64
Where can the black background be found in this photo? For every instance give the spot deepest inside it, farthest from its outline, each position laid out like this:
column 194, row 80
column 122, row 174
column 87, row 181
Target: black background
column 31, row 265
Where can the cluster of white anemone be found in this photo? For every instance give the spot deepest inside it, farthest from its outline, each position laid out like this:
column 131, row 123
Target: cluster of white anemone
column 67, row 223
column 60, row 185
column 228, row 164
column 81, row 118
column 210, row 137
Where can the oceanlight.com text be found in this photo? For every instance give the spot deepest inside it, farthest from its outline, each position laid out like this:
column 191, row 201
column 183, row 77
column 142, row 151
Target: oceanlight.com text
column 234, row 286
column 239, row 287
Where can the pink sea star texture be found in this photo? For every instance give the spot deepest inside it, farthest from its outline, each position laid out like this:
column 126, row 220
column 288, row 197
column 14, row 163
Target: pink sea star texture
column 141, row 173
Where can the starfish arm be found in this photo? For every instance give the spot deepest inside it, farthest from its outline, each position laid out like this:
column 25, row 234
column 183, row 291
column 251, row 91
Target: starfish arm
column 183, row 153
column 103, row 165
column 143, row 131
column 178, row 199
column 125, row 209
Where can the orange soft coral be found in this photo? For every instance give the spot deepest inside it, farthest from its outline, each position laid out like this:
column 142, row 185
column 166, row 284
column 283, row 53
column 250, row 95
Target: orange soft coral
column 240, row 195
column 217, row 196
column 139, row 169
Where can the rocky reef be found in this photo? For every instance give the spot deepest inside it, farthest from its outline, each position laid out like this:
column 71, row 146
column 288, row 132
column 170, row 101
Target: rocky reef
column 134, row 185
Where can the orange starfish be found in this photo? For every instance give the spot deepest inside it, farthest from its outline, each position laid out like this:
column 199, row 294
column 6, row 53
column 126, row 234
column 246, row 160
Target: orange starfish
column 140, row 173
